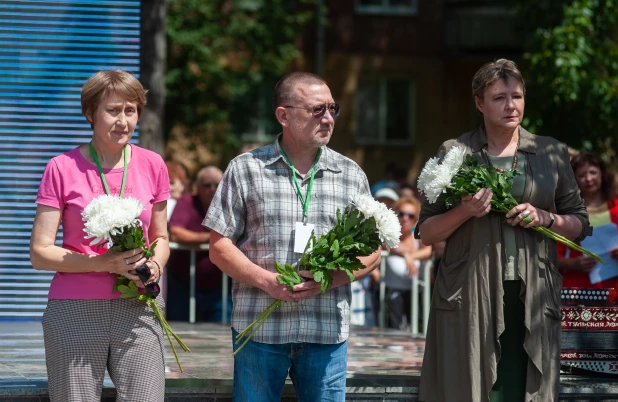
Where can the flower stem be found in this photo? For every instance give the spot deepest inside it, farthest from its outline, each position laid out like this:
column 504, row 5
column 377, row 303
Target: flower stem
column 259, row 321
column 263, row 315
column 500, row 207
column 158, row 313
column 180, row 342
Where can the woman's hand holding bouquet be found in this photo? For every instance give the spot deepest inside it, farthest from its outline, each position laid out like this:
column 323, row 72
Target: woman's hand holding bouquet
column 481, row 189
column 114, row 221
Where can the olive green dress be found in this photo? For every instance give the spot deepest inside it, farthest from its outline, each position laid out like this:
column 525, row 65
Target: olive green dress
column 510, row 385
column 468, row 311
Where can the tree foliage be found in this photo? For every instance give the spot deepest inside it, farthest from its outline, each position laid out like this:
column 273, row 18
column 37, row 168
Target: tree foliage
column 571, row 66
column 220, row 55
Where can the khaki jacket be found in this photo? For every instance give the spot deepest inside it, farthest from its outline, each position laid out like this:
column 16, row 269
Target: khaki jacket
column 466, row 319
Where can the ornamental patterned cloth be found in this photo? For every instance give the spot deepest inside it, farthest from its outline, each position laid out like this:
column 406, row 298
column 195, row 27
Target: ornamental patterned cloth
column 257, row 206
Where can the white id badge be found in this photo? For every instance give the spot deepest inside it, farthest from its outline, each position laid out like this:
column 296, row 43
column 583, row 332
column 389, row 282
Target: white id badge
column 302, row 236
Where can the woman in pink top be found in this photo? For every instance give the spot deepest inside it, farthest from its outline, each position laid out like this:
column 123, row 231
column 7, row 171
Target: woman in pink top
column 87, row 327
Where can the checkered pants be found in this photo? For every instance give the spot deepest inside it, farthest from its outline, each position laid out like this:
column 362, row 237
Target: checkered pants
column 84, row 337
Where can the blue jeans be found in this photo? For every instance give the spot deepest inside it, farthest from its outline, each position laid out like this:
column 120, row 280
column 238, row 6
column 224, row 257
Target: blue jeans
column 318, row 371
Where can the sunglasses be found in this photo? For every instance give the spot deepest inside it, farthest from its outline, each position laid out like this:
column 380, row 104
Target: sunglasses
column 319, row 110
column 402, row 214
column 209, row 185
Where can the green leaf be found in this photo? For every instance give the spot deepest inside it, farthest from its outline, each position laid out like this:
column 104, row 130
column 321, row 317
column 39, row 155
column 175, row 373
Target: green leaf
column 280, row 268
column 325, row 284
column 124, row 289
column 335, row 248
column 128, row 291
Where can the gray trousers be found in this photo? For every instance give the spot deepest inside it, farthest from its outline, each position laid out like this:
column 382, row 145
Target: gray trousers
column 84, row 337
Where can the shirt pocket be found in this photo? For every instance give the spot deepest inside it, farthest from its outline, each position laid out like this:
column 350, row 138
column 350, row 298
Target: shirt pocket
column 450, row 283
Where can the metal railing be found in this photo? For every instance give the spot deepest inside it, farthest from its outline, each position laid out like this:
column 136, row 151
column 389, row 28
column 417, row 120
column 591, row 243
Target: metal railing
column 414, row 304
column 192, row 262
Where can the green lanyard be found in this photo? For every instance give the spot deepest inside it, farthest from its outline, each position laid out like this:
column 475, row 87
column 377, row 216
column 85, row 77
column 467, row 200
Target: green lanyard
column 303, row 200
column 124, row 173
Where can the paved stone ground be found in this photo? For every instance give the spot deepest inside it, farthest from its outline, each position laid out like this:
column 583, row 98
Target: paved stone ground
column 379, row 362
column 383, row 365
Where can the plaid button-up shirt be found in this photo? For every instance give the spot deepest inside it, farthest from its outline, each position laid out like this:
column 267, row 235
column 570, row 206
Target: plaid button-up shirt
column 257, row 206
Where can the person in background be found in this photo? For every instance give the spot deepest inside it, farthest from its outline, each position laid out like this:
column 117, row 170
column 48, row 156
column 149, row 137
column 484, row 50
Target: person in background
column 408, row 190
column 598, row 190
column 403, row 264
column 366, row 292
column 494, row 325
column 387, row 196
column 185, row 228
column 253, row 219
column 248, row 147
column 87, row 327
column 394, row 175
column 179, row 184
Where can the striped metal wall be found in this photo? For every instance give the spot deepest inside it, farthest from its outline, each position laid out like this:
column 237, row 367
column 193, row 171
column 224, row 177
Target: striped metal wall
column 47, row 51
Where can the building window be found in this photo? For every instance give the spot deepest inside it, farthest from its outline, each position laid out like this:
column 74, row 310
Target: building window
column 255, row 119
column 385, row 112
column 392, row 7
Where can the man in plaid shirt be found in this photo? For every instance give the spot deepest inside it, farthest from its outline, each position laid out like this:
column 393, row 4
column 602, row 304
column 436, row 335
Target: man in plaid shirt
column 264, row 209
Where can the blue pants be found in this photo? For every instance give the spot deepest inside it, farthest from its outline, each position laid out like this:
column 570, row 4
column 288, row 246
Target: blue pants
column 318, row 371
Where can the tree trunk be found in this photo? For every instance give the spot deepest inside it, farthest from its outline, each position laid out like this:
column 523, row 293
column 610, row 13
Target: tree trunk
column 152, row 73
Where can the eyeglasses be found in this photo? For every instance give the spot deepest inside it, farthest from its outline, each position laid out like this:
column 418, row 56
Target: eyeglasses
column 209, row 185
column 402, row 214
column 319, row 110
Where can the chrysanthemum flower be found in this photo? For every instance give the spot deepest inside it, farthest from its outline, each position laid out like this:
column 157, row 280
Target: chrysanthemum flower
column 109, row 215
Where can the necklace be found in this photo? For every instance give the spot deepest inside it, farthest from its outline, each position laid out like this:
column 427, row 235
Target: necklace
column 513, row 165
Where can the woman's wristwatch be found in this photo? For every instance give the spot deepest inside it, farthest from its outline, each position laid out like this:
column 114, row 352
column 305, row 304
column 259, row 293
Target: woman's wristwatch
column 552, row 219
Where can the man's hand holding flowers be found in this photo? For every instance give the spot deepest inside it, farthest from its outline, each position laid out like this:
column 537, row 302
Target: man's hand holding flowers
column 311, row 288
column 330, row 261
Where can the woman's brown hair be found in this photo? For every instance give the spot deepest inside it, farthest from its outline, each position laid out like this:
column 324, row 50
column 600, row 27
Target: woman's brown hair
column 608, row 187
column 493, row 71
column 108, row 82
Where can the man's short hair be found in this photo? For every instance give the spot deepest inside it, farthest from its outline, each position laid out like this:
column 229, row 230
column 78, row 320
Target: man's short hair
column 284, row 90
column 207, row 169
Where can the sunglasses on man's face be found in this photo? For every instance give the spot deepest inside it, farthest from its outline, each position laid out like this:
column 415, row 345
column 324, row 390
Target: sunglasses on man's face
column 402, row 214
column 319, row 110
column 209, row 185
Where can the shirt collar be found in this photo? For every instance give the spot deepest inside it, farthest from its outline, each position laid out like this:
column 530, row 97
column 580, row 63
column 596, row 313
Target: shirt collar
column 325, row 162
column 527, row 141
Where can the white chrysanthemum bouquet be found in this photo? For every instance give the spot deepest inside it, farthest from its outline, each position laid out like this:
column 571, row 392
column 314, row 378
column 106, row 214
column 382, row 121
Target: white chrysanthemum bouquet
column 360, row 230
column 459, row 174
column 114, row 221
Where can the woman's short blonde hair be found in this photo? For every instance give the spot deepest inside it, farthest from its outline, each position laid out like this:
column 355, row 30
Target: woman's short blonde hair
column 493, row 71
column 107, row 82
column 407, row 200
